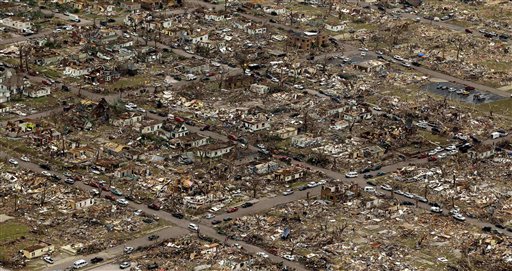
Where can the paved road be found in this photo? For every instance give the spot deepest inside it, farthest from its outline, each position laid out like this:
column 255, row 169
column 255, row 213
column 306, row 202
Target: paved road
column 111, row 253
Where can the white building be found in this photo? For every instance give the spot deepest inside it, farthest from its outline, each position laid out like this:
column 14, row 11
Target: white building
column 23, row 26
column 214, row 17
column 213, row 151
column 256, row 30
column 5, row 93
column 334, row 27
column 259, row 89
column 37, row 93
column 255, row 124
column 75, row 71
column 83, row 203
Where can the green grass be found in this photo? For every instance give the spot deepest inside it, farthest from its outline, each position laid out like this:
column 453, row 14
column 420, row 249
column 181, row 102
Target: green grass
column 135, row 81
column 11, row 230
column 433, row 138
column 502, row 107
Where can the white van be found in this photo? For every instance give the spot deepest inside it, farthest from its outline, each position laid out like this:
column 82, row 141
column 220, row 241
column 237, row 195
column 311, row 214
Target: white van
column 369, row 189
column 79, row 264
column 193, row 227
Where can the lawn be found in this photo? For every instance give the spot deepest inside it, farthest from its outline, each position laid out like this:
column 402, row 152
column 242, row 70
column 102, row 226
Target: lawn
column 10, row 231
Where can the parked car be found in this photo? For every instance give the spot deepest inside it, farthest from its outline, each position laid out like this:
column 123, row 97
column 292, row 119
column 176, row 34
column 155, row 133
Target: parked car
column 215, row 222
column 125, row 265
column 232, row 210
column 193, row 227
column 128, row 250
column 205, row 128
column 247, row 204
column 459, row 217
column 153, row 237
column 110, row 197
column 122, row 202
column 96, row 260
column 288, row 192
column 155, row 206
column 436, row 209
column 69, row 181
column 368, row 176
column 178, row 215
column 152, row 266
column 48, row 259
column 13, row 161
column 116, row 191
column 351, row 174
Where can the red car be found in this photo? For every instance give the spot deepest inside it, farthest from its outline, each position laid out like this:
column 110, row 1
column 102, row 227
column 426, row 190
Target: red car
column 432, row 159
column 232, row 137
column 46, row 83
column 94, row 184
column 110, row 197
column 155, row 206
column 179, row 119
column 423, row 155
column 232, row 210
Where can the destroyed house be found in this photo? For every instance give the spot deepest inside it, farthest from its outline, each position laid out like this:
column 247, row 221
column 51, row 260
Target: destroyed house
column 289, row 174
column 82, row 203
column 214, row 150
column 238, row 81
column 307, row 40
column 127, row 119
column 188, row 141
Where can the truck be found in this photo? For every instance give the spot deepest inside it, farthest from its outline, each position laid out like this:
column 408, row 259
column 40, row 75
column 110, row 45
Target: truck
column 73, row 18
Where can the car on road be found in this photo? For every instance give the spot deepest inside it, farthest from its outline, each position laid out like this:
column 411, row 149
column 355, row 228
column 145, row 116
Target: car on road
column 288, row 192
column 128, row 250
column 46, row 173
column 459, row 217
column 209, row 216
column 436, row 209
column 351, row 174
column 247, row 205
column 312, row 184
column 289, row 257
column 125, row 265
column 178, row 215
column 386, row 187
column 193, row 227
column 432, row 159
column 110, row 197
column 48, row 259
column 96, row 260
column 216, row 221
column 13, row 161
column 116, row 191
column 69, row 181
column 155, row 206
column 122, row 202
column 153, row 237
column 367, row 176
column 25, row 158
column 226, row 219
column 232, row 210
column 152, row 266
column 408, row 195
column 262, row 254
column 302, row 188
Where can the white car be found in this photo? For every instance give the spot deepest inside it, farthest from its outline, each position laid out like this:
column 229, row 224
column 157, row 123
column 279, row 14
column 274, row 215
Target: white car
column 363, row 53
column 209, row 216
column 13, row 161
column 288, row 192
column 451, row 148
column 193, row 227
column 122, row 202
column 48, row 259
column 376, row 108
column 459, row 217
column 289, row 257
column 128, row 250
column 386, row 187
column 138, row 212
column 46, row 173
column 351, row 174
column 262, row 254
column 435, row 209
column 301, row 87
column 24, row 158
column 312, row 184
column 441, row 155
